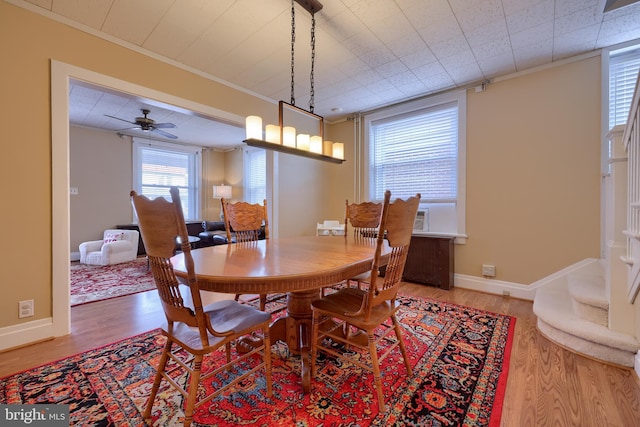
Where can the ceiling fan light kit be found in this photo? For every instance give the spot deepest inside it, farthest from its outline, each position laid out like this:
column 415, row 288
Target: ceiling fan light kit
column 283, row 137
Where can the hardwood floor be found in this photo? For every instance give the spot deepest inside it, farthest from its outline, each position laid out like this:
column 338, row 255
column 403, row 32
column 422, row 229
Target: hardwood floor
column 547, row 385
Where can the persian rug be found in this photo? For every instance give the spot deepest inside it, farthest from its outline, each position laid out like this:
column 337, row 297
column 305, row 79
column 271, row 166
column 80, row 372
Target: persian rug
column 91, row 283
column 460, row 359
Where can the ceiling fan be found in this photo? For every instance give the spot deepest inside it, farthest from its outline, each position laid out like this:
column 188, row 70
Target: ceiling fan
column 148, row 125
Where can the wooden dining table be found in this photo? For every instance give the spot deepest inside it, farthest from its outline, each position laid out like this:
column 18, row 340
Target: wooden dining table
column 297, row 266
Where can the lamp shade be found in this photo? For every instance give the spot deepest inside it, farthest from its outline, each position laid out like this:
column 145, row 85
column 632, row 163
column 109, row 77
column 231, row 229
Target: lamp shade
column 253, row 127
column 221, row 191
column 338, row 150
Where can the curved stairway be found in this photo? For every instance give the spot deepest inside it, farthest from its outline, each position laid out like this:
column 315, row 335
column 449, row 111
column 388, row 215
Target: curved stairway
column 573, row 311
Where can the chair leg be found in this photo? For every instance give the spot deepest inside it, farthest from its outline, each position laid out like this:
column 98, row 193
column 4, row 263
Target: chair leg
column 314, row 342
column 405, row 356
column 193, row 390
column 263, row 302
column 266, row 340
column 158, row 379
column 377, row 378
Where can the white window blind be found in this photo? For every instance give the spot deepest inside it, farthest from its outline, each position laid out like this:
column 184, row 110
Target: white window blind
column 158, row 168
column 416, row 152
column 256, row 176
column 623, row 74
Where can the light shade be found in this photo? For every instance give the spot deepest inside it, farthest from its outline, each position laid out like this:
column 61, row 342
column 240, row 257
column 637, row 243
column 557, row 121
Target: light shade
column 289, row 136
column 272, row 134
column 315, row 144
column 221, row 191
column 302, row 141
column 338, row 150
column 253, row 127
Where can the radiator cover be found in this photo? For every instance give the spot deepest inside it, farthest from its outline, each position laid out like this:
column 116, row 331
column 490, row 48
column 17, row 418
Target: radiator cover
column 430, row 261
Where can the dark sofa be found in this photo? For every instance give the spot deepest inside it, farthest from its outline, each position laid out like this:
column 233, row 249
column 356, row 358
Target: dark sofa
column 214, row 233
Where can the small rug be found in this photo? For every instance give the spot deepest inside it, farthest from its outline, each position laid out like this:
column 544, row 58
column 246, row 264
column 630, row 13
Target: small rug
column 91, row 283
column 460, row 359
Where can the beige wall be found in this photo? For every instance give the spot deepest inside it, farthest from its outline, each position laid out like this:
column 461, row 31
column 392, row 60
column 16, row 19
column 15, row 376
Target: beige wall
column 100, row 167
column 532, row 167
column 533, row 173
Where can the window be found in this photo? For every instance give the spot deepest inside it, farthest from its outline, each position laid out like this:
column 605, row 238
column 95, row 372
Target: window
column 419, row 147
column 255, row 175
column 158, row 167
column 623, row 73
column 623, row 65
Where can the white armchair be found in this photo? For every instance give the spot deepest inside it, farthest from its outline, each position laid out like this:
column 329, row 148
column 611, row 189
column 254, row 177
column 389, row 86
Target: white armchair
column 116, row 246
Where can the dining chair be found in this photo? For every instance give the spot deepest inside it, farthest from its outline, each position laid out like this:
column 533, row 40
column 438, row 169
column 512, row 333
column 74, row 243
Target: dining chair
column 198, row 330
column 367, row 310
column 364, row 219
column 249, row 222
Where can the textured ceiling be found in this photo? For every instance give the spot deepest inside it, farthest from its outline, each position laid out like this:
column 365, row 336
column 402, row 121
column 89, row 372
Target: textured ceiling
column 369, row 53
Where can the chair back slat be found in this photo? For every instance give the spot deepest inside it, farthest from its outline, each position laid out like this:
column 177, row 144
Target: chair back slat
column 246, row 220
column 396, row 227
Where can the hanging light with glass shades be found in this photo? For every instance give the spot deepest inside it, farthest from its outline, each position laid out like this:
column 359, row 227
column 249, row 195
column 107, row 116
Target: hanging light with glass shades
column 283, row 137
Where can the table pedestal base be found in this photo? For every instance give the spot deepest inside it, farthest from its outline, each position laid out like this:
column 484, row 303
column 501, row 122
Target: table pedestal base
column 294, row 329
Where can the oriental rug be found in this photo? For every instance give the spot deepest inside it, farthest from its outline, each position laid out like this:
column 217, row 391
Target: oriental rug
column 460, row 358
column 91, row 283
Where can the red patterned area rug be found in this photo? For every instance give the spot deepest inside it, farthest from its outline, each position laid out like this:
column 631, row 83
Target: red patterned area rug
column 460, row 359
column 91, row 283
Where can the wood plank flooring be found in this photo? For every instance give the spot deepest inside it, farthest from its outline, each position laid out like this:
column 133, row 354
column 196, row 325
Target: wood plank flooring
column 547, row 385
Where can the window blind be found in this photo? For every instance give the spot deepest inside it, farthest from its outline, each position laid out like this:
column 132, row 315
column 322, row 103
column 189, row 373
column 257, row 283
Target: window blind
column 161, row 168
column 416, row 152
column 256, row 176
column 623, row 74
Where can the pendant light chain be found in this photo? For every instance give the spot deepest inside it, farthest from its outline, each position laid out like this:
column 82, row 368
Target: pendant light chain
column 313, row 61
column 293, row 42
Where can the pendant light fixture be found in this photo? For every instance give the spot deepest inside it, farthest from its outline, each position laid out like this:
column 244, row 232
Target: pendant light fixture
column 283, row 137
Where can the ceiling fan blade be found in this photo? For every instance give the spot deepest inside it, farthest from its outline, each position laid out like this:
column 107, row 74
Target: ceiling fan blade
column 118, row 118
column 131, row 128
column 163, row 133
column 163, row 125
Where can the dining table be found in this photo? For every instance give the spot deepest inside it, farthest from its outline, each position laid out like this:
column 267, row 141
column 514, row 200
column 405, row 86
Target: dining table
column 298, row 266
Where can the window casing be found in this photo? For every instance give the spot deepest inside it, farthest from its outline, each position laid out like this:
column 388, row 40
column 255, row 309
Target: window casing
column 420, row 147
column 159, row 166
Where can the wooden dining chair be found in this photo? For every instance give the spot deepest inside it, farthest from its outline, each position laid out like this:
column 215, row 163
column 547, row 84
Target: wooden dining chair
column 198, row 330
column 366, row 310
column 364, row 219
column 248, row 222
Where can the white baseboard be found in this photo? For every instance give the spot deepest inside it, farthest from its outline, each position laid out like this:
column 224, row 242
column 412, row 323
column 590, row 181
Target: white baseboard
column 497, row 287
column 26, row 333
column 518, row 290
column 636, row 365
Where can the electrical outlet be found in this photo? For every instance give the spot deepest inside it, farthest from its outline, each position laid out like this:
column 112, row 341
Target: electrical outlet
column 73, row 191
column 488, row 270
column 25, row 308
